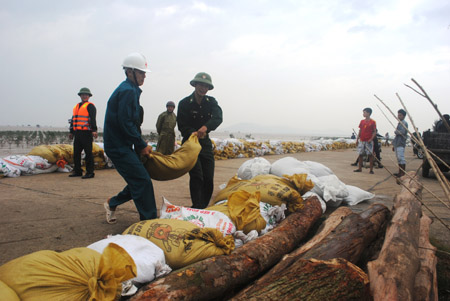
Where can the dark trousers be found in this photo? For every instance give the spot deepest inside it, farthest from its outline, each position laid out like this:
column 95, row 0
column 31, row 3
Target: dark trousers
column 83, row 141
column 201, row 183
column 139, row 186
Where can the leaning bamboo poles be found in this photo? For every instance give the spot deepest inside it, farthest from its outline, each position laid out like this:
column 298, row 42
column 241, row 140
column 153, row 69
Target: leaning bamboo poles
column 426, row 153
column 439, row 175
column 425, row 95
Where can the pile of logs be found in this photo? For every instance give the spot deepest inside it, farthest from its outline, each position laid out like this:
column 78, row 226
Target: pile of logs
column 376, row 254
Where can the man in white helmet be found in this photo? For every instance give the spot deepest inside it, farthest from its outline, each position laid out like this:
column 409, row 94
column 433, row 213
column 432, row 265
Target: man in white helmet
column 123, row 141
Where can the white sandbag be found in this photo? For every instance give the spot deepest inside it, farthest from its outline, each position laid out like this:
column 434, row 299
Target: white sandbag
column 273, row 215
column 318, row 169
column 288, row 166
column 41, row 165
column 200, row 217
column 253, row 167
column 240, row 238
column 148, row 257
column 332, row 189
column 322, row 202
column 357, row 195
column 22, row 163
column 9, row 170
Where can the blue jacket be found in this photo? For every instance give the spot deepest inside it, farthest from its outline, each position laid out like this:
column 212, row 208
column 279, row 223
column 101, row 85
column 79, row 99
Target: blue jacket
column 122, row 119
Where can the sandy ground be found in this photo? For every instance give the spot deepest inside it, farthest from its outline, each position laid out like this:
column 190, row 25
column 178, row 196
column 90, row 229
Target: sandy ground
column 55, row 212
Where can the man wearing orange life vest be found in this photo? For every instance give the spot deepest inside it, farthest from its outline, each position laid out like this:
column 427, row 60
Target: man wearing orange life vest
column 83, row 128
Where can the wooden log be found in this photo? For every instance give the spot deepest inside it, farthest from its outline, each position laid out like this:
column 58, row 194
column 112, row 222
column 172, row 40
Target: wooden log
column 392, row 274
column 347, row 241
column 351, row 237
column 214, row 277
column 311, row 279
column 326, row 228
column 425, row 285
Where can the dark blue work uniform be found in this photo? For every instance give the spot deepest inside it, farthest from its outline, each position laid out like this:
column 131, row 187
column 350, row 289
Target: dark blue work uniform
column 191, row 116
column 121, row 132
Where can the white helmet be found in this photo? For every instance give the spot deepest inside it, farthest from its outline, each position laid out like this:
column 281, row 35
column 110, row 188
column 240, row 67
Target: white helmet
column 137, row 61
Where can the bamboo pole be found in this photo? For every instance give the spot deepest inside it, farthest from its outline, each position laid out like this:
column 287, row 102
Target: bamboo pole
column 426, row 153
column 439, row 175
column 425, row 95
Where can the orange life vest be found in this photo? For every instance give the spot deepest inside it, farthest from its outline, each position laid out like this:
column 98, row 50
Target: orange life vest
column 80, row 118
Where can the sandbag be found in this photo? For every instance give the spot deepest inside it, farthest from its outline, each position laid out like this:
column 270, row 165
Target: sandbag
column 253, row 167
column 274, row 190
column 331, row 189
column 243, row 209
column 288, row 166
column 53, row 153
column 168, row 167
column 356, row 195
column 76, row 274
column 182, row 242
column 8, row 170
column 273, row 215
column 201, row 217
column 148, row 257
column 7, row 293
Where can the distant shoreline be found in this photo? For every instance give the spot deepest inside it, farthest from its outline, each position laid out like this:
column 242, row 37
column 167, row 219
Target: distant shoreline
column 215, row 134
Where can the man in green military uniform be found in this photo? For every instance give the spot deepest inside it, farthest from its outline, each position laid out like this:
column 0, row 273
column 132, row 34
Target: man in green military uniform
column 199, row 113
column 165, row 126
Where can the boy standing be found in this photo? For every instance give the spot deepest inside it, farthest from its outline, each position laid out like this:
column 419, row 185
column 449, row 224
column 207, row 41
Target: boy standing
column 399, row 143
column 364, row 141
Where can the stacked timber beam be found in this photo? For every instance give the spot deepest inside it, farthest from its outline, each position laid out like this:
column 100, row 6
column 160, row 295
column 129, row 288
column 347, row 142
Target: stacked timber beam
column 331, row 265
column 406, row 266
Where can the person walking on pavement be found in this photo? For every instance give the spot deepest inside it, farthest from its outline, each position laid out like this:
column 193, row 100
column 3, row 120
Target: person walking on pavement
column 83, row 131
column 399, row 142
column 199, row 113
column 364, row 141
column 123, row 141
column 165, row 126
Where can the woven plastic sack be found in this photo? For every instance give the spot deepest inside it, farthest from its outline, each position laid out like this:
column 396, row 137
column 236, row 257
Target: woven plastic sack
column 53, row 153
column 7, row 293
column 200, row 217
column 243, row 209
column 253, row 167
column 148, row 257
column 76, row 274
column 168, row 167
column 274, row 190
column 183, row 243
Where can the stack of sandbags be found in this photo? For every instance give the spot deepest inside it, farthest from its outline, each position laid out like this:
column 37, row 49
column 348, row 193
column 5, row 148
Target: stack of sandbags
column 273, row 189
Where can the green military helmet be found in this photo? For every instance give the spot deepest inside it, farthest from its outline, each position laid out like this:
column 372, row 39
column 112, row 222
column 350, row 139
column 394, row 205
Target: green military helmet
column 202, row 77
column 85, row 91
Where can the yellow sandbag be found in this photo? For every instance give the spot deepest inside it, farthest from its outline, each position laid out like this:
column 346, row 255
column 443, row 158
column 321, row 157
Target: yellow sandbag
column 183, row 243
column 243, row 210
column 53, row 153
column 76, row 274
column 7, row 293
column 168, row 167
column 274, row 190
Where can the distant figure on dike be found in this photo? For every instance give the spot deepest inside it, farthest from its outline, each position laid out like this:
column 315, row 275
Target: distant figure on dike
column 399, row 143
column 364, row 141
column 353, row 136
column 201, row 114
column 165, row 126
column 83, row 130
column 386, row 143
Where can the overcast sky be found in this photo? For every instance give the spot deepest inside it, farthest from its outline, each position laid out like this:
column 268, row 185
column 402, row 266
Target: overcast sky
column 303, row 66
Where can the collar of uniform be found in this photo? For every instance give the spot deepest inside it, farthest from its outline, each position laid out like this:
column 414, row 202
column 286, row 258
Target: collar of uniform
column 133, row 84
column 191, row 100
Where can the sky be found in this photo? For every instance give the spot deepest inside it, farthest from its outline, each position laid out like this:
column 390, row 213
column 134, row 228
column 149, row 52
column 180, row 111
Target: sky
column 288, row 67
